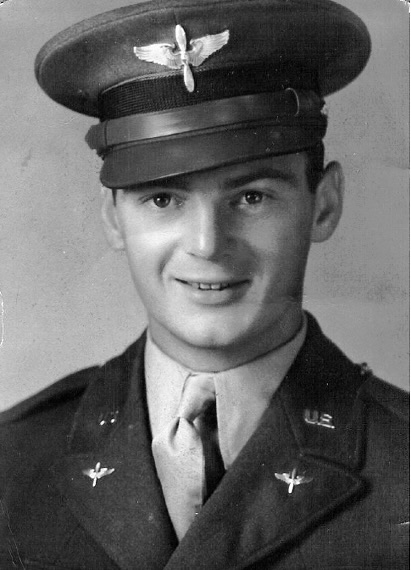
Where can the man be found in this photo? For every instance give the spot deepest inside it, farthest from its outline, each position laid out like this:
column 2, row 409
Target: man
column 232, row 434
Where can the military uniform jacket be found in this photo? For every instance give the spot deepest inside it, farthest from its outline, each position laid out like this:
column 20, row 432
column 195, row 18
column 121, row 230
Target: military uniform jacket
column 342, row 430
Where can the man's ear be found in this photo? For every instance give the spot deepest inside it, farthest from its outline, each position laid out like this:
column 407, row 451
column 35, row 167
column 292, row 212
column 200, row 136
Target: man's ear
column 109, row 216
column 328, row 203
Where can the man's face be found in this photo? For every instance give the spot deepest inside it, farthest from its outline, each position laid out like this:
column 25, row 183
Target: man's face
column 218, row 257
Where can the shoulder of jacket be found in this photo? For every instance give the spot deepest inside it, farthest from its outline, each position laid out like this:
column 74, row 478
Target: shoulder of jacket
column 393, row 399
column 65, row 390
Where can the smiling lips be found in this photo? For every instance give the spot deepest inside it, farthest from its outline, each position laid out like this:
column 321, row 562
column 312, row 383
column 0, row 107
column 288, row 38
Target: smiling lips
column 211, row 286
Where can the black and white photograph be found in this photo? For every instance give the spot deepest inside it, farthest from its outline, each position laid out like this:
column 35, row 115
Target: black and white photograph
column 204, row 284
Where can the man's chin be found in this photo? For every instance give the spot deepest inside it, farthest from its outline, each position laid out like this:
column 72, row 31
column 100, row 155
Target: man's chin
column 211, row 340
column 214, row 336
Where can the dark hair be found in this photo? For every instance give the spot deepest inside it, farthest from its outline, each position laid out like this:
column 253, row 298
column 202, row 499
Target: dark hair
column 315, row 165
column 314, row 169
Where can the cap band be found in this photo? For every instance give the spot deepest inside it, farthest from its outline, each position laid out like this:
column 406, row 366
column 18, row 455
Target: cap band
column 162, row 92
column 288, row 107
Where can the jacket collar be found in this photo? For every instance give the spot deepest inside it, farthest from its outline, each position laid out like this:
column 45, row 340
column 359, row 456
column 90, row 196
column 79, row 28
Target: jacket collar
column 251, row 514
column 321, row 398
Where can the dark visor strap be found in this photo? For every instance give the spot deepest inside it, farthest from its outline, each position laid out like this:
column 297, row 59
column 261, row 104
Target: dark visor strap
column 287, row 107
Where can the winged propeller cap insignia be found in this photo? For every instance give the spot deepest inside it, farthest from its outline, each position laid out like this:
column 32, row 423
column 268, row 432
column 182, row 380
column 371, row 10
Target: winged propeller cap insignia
column 177, row 56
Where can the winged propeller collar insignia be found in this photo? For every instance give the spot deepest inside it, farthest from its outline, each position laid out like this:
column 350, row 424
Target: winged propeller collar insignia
column 292, row 479
column 177, row 56
column 97, row 473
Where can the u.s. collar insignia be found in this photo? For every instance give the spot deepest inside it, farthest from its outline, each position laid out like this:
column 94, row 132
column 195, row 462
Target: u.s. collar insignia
column 314, row 417
column 178, row 56
column 97, row 473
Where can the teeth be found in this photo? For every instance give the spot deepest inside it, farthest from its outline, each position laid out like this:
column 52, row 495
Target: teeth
column 208, row 286
column 211, row 286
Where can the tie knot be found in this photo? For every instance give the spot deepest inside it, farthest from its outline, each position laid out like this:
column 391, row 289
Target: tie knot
column 198, row 394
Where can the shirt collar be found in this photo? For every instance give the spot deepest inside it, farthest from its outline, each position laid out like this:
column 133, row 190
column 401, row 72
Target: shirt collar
column 242, row 393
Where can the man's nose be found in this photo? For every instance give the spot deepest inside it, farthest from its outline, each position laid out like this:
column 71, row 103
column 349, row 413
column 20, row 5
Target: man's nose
column 206, row 233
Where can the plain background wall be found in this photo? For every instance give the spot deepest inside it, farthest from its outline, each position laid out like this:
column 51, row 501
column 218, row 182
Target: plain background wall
column 68, row 301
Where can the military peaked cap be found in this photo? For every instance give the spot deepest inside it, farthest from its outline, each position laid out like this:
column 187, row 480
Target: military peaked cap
column 186, row 85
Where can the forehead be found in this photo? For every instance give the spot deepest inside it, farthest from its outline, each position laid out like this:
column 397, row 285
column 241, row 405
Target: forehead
column 289, row 168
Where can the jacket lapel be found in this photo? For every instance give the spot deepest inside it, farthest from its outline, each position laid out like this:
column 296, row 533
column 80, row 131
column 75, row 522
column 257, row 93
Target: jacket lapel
column 253, row 514
column 123, row 510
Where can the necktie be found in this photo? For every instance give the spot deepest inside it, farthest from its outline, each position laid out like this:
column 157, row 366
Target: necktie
column 180, row 454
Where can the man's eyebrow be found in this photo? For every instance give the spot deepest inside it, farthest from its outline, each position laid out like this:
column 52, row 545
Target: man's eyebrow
column 261, row 174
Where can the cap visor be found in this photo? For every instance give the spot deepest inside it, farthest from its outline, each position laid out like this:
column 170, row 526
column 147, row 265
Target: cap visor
column 128, row 165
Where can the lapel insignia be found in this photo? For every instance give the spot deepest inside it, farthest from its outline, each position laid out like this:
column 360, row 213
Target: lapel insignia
column 178, row 56
column 316, row 418
column 97, row 473
column 292, row 479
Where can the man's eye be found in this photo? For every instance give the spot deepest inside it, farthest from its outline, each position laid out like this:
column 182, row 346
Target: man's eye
column 253, row 197
column 161, row 200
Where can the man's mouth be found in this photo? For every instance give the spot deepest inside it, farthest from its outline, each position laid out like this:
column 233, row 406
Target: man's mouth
column 216, row 286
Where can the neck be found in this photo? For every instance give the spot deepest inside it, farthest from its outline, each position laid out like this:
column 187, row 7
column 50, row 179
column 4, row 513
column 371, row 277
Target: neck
column 218, row 359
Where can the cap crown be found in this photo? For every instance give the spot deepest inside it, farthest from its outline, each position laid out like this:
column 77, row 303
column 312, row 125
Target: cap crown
column 273, row 44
